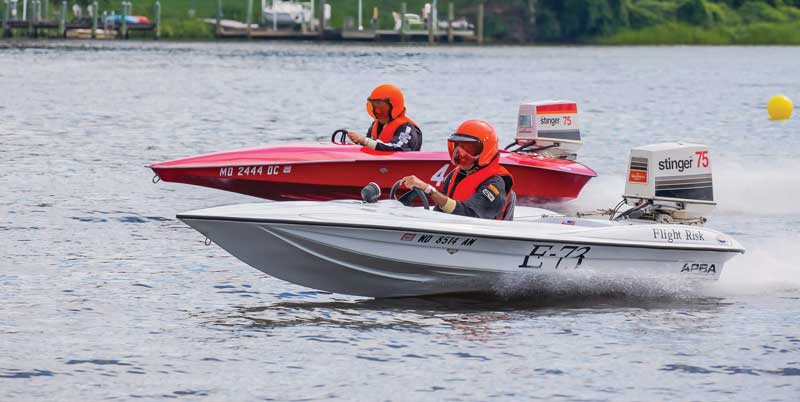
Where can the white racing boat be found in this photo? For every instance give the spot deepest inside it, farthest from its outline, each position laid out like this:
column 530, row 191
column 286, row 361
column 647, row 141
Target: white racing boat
column 386, row 249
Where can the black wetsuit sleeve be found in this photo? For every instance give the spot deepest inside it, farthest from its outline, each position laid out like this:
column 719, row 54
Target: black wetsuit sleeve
column 408, row 137
column 487, row 202
column 446, row 183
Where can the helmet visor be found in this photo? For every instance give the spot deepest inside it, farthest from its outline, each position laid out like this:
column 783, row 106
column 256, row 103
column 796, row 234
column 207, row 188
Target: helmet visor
column 379, row 107
column 463, row 148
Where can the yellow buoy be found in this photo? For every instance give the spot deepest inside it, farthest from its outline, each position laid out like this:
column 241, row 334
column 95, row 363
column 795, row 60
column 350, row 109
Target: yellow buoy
column 780, row 107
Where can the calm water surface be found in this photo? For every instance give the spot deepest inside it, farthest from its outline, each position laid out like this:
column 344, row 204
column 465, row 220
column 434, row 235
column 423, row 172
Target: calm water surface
column 104, row 295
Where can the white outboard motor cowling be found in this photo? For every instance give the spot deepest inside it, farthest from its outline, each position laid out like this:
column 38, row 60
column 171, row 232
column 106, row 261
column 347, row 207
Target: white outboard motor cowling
column 670, row 182
column 549, row 128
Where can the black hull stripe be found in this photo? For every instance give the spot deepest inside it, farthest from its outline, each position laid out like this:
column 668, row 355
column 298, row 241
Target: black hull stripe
column 706, row 194
column 682, row 187
column 639, row 163
column 686, row 177
column 573, row 135
column 557, row 169
column 686, row 183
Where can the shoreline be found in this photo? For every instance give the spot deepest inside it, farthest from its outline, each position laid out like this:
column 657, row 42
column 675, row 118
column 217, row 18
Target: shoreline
column 491, row 22
column 25, row 42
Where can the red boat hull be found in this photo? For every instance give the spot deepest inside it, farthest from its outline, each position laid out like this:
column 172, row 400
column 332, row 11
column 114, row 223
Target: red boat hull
column 327, row 172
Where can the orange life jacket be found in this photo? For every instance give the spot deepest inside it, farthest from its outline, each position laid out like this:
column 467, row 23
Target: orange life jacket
column 469, row 185
column 388, row 130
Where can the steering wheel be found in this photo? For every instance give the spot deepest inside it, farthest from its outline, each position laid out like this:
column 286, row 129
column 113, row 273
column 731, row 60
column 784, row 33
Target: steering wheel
column 342, row 133
column 409, row 196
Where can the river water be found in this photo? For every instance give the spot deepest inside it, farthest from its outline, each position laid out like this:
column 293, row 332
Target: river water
column 104, row 295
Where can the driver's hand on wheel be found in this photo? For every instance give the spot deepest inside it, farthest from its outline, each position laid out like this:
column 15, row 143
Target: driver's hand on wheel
column 413, row 181
column 356, row 137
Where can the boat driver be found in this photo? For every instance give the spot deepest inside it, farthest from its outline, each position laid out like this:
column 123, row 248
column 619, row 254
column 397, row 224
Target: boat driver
column 478, row 187
column 391, row 129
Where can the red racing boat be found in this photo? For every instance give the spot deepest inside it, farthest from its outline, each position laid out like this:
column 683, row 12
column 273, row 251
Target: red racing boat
column 541, row 165
column 327, row 172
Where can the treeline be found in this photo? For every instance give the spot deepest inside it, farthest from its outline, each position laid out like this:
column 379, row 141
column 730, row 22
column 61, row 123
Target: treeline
column 644, row 21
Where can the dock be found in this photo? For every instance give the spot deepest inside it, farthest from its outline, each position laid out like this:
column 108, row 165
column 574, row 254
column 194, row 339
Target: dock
column 385, row 35
column 111, row 25
column 230, row 29
column 316, row 29
column 92, row 27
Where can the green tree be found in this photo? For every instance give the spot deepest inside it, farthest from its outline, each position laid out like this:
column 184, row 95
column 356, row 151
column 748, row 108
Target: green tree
column 581, row 18
column 694, row 12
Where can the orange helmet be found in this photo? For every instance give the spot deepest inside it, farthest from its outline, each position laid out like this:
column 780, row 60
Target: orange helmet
column 479, row 131
column 390, row 94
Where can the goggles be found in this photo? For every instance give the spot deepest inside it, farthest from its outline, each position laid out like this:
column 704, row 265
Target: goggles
column 463, row 148
column 373, row 101
column 383, row 105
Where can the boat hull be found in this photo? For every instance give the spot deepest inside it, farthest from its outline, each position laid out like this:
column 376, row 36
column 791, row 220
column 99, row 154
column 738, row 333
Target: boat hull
column 411, row 261
column 282, row 19
column 331, row 172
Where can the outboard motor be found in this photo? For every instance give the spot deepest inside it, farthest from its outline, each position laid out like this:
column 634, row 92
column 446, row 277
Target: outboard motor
column 669, row 183
column 548, row 128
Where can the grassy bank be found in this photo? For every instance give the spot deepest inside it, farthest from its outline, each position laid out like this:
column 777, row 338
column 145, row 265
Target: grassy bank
column 763, row 33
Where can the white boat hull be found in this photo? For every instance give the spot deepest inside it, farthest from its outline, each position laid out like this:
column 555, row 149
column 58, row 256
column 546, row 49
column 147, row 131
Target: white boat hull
column 349, row 248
